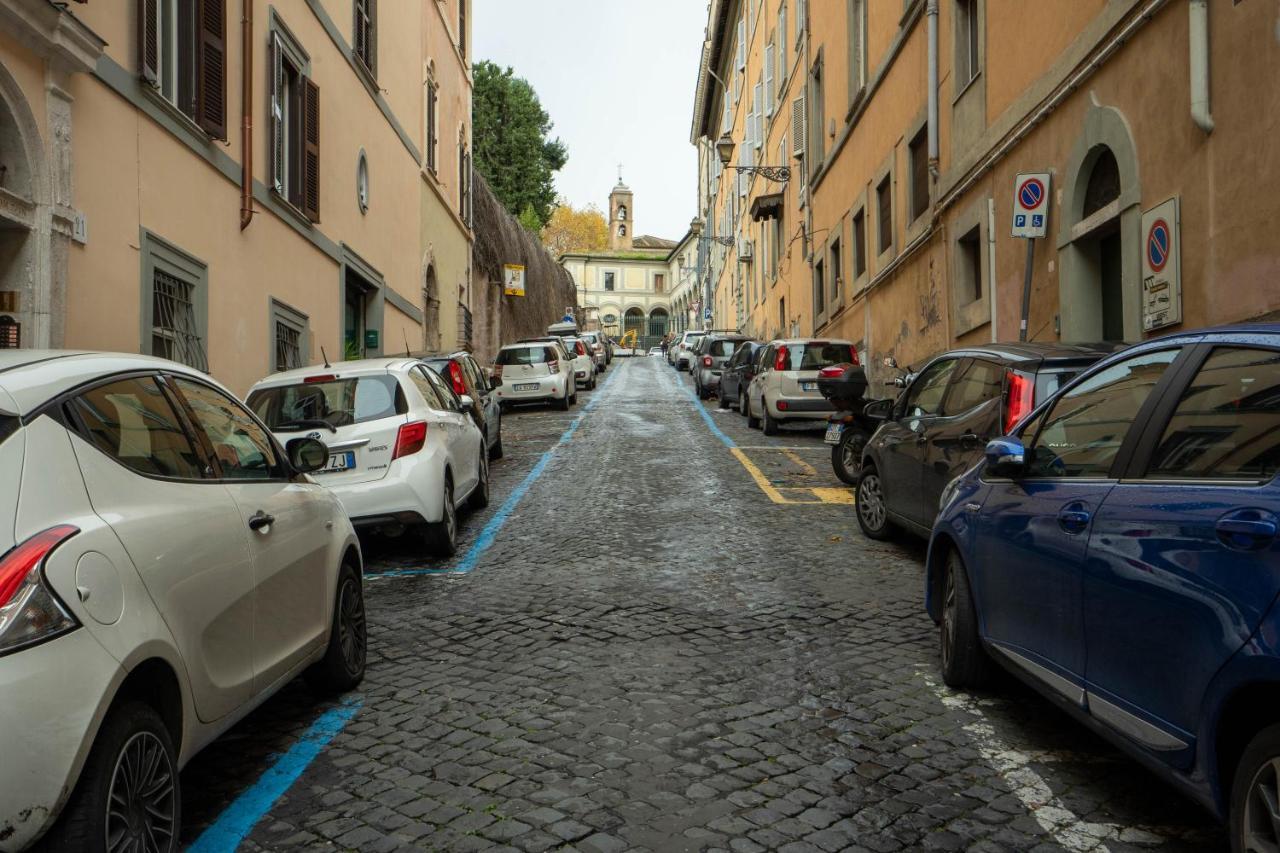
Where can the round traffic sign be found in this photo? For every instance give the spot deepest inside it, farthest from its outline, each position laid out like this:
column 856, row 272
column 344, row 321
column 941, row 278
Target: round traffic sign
column 1031, row 193
column 1158, row 243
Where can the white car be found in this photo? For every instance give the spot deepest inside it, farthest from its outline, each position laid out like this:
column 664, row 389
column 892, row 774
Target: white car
column 584, row 365
column 599, row 352
column 535, row 372
column 404, row 451
column 164, row 567
column 786, row 386
column 655, row 350
column 680, row 354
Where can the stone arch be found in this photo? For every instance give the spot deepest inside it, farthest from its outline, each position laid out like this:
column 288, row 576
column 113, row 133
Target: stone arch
column 659, row 321
column 431, row 338
column 1099, row 250
column 633, row 319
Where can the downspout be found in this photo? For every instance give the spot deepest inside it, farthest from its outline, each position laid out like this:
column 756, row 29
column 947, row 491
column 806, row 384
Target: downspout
column 1199, row 62
column 931, row 14
column 246, row 115
column 991, row 265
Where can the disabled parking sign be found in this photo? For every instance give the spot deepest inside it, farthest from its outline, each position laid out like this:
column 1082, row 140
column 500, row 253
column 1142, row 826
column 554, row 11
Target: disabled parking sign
column 1031, row 205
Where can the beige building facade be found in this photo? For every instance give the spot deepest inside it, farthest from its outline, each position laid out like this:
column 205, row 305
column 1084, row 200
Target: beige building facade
column 1139, row 112
column 238, row 185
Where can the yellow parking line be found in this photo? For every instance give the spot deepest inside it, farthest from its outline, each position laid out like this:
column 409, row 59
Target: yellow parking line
column 776, row 493
column 761, row 480
column 805, row 466
column 835, row 496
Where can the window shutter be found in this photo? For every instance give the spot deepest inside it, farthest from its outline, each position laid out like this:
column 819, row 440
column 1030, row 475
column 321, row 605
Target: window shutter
column 275, row 112
column 768, row 79
column 372, row 36
column 742, row 45
column 311, row 151
column 784, row 48
column 801, row 13
column 758, row 106
column 799, row 126
column 149, row 41
column 211, row 82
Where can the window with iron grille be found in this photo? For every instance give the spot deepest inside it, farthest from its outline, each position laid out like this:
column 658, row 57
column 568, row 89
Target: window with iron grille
column 10, row 333
column 174, row 333
column 289, row 329
column 365, row 41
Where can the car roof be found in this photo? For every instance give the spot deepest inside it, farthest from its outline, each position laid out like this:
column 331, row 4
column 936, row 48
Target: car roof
column 1039, row 351
column 810, row 340
column 34, row 377
column 339, row 369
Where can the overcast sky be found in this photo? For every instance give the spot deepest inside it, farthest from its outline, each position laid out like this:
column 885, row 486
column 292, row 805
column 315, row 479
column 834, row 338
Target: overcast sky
column 617, row 79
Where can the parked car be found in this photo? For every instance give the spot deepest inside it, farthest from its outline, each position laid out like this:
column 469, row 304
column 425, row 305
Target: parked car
column 785, row 387
column 737, row 374
column 602, row 353
column 468, row 379
column 709, row 356
column 165, row 565
column 679, row 354
column 655, row 350
column 1119, row 553
column 404, row 451
column 938, row 426
column 584, row 366
column 535, row 373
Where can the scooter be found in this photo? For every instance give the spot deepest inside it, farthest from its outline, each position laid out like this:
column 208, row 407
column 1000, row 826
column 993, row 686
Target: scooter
column 850, row 428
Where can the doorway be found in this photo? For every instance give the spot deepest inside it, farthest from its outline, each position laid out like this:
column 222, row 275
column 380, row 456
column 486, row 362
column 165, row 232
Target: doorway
column 355, row 321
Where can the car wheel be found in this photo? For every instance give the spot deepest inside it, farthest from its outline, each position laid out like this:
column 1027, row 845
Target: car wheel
column 128, row 796
column 752, row 421
column 495, row 452
column 342, row 666
column 442, row 537
column 873, row 516
column 742, row 403
column 1255, row 795
column 563, row 405
column 770, row 423
column 846, row 457
column 480, row 495
column 964, row 662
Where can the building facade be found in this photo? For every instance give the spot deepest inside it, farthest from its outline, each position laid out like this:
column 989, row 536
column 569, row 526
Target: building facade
column 898, row 216
column 233, row 184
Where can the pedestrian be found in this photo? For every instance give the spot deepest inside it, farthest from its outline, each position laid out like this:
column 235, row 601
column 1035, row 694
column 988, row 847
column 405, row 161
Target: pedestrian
column 666, row 342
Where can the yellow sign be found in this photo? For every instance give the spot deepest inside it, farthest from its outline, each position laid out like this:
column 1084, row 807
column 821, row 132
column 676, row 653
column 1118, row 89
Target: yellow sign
column 514, row 281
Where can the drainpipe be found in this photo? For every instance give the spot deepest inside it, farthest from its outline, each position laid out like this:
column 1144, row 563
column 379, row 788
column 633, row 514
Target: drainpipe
column 1199, row 62
column 931, row 14
column 246, row 115
column 991, row 265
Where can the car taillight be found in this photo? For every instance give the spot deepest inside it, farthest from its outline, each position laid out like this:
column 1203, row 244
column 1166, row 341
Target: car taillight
column 581, row 349
column 312, row 380
column 455, row 376
column 780, row 363
column 853, row 357
column 410, row 439
column 497, row 371
column 1019, row 398
column 706, row 361
column 29, row 611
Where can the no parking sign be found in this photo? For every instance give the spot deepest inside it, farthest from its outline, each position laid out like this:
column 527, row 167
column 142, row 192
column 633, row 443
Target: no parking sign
column 1031, row 205
column 1161, row 267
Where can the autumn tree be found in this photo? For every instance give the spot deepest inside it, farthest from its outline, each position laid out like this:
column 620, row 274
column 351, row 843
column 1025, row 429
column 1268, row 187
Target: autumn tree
column 572, row 229
column 513, row 146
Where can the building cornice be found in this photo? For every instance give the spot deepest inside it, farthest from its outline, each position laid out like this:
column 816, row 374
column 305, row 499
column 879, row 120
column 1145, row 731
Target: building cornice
column 54, row 33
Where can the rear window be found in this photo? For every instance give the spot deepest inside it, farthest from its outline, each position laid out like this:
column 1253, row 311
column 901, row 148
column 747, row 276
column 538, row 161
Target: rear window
column 1049, row 381
column 8, row 426
column 816, row 355
column 526, row 355
column 723, row 349
column 332, row 403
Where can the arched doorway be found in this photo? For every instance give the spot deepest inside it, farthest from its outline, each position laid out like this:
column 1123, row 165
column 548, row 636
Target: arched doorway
column 32, row 255
column 431, row 310
column 659, row 322
column 633, row 321
column 1099, row 285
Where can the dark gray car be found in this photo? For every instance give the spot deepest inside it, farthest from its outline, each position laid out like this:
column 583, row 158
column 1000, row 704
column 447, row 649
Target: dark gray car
column 737, row 374
column 708, row 361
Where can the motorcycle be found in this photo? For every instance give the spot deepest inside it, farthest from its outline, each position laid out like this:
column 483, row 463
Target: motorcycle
column 851, row 427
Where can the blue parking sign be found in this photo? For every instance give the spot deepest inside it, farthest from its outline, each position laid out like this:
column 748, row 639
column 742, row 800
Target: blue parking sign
column 1020, row 221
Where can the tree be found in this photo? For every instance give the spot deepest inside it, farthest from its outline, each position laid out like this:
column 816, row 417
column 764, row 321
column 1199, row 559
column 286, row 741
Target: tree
column 575, row 230
column 513, row 149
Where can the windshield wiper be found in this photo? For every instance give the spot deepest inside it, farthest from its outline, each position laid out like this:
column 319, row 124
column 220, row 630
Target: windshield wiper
column 308, row 424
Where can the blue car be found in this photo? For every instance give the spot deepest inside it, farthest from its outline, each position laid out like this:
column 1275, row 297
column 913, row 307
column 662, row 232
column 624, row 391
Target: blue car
column 1119, row 553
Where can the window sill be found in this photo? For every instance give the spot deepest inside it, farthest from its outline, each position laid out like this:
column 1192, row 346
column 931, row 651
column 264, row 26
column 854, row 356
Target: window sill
column 365, row 74
column 288, row 207
column 174, row 111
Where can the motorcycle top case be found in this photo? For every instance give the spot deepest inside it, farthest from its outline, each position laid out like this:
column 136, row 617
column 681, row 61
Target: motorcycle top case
column 846, row 389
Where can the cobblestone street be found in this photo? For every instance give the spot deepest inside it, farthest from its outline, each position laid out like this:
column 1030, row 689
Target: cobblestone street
column 654, row 653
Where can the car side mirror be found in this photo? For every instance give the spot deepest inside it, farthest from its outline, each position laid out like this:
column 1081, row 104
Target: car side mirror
column 878, row 410
column 468, row 402
column 1006, row 457
column 307, row 454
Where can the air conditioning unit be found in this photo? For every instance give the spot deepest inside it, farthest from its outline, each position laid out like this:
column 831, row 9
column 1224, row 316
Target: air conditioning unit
column 799, row 126
column 746, row 250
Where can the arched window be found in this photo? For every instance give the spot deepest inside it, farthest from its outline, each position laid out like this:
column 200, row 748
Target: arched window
column 622, row 212
column 1104, row 183
column 622, row 230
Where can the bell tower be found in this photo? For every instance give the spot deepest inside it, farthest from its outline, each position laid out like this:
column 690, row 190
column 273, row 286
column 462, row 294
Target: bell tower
column 621, row 217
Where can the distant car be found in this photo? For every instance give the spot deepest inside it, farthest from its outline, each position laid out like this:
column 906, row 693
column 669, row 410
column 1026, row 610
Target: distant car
column 655, row 350
column 404, row 451
column 678, row 354
column 535, row 373
column 939, row 425
column 737, row 374
column 165, row 566
column 600, row 351
column 785, row 387
column 709, row 357
column 584, row 366
column 467, row 378
column 1119, row 552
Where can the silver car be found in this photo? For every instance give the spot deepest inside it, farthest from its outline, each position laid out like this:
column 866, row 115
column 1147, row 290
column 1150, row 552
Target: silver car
column 786, row 386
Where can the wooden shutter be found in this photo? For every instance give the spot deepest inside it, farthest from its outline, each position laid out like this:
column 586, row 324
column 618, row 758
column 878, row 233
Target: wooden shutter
column 769, row 62
column 211, row 75
column 799, row 126
column 275, row 112
column 149, row 41
column 371, row 35
column 311, row 151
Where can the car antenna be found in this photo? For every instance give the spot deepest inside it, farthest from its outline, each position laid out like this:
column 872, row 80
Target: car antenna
column 407, row 354
column 327, row 365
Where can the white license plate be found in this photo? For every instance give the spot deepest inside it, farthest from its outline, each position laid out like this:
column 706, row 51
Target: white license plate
column 533, row 387
column 808, row 386
column 833, row 434
column 340, row 462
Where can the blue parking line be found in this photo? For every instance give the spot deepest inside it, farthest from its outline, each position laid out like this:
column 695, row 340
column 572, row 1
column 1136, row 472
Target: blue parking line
column 238, row 819
column 706, row 416
column 491, row 530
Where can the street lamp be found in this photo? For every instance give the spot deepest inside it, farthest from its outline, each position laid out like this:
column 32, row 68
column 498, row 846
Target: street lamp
column 777, row 174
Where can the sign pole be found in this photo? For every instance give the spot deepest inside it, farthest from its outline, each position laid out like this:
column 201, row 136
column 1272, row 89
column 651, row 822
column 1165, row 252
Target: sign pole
column 1026, row 289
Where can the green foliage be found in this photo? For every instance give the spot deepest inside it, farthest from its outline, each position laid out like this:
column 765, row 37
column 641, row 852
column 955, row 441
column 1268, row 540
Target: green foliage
column 513, row 149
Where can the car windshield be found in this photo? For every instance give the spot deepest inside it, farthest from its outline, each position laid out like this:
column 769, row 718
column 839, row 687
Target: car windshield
column 816, row 355
column 524, row 355
column 328, row 402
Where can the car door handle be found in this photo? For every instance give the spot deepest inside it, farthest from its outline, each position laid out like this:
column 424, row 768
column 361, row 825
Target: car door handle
column 260, row 519
column 1247, row 530
column 1074, row 518
column 969, row 441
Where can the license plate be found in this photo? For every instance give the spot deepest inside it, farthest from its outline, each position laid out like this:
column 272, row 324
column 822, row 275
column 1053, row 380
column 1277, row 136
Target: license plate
column 527, row 387
column 808, row 386
column 833, row 434
column 340, row 462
